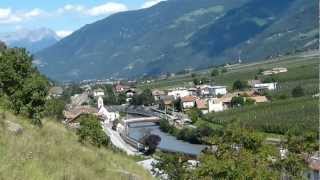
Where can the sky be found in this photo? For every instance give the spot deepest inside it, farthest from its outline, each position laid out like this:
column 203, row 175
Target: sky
column 62, row 16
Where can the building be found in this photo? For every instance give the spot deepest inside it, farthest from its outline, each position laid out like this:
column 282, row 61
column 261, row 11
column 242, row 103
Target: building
column 73, row 114
column 215, row 105
column 259, row 99
column 188, row 102
column 202, row 105
column 167, row 102
column 275, row 71
column 179, row 93
column 55, row 92
column 212, row 91
column 107, row 114
column 157, row 94
column 265, row 86
column 119, row 88
column 218, row 90
column 98, row 93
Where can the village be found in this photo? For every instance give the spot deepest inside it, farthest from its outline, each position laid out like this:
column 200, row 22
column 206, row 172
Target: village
column 174, row 105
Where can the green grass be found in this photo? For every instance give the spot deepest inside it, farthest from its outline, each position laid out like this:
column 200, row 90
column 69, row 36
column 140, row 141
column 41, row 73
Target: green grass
column 276, row 117
column 54, row 152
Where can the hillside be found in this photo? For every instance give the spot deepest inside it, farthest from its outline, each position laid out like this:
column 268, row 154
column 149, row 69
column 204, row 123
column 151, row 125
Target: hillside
column 179, row 34
column 54, row 152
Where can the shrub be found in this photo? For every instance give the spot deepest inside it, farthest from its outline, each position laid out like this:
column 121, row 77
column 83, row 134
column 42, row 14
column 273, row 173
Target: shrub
column 215, row 72
column 298, row 92
column 151, row 142
column 91, row 131
column 240, row 85
column 237, row 101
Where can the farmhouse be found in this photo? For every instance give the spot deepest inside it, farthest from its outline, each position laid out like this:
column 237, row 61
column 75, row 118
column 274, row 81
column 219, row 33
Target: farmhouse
column 202, row 105
column 157, row 94
column 121, row 88
column 212, row 91
column 73, row 114
column 265, row 86
column 188, row 102
column 179, row 93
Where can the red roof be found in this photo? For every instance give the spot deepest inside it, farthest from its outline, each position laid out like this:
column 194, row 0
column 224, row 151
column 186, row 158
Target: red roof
column 201, row 104
column 189, row 99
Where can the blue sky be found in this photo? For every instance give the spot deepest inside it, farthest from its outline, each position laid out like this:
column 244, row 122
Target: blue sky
column 62, row 16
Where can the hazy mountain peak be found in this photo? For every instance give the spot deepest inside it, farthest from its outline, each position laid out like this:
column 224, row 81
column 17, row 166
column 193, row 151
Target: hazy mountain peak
column 31, row 39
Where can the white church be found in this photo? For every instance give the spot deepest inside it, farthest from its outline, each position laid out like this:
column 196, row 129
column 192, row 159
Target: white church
column 108, row 117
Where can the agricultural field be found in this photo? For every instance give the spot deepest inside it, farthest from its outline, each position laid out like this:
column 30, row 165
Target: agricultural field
column 277, row 117
column 53, row 152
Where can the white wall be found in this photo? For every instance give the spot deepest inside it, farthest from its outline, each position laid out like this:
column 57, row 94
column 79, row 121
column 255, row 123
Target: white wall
column 187, row 105
column 215, row 106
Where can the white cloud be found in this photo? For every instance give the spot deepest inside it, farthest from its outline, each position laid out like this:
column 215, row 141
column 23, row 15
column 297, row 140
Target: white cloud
column 7, row 16
column 34, row 13
column 64, row 33
column 71, row 8
column 107, row 8
column 150, row 3
column 5, row 13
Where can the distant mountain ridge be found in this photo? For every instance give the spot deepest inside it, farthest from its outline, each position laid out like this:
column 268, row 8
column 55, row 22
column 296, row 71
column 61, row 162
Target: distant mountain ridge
column 179, row 34
column 33, row 40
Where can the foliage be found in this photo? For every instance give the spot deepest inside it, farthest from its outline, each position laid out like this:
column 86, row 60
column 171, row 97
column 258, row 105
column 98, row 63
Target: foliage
column 237, row 101
column 240, row 85
column 22, row 83
column 145, row 98
column 53, row 152
column 54, row 108
column 178, row 105
column 112, row 98
column 91, row 131
column 151, row 141
column 170, row 166
column 298, row 92
column 215, row 72
column 195, row 114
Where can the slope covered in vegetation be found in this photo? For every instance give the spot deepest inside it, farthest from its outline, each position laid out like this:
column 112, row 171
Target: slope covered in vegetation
column 53, row 152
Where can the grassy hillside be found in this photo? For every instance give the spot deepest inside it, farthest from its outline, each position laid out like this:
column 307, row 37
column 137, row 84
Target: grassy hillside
column 277, row 117
column 54, row 152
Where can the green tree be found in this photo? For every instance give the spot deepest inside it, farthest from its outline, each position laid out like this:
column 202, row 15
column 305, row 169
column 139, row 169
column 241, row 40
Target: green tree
column 240, row 85
column 171, row 166
column 298, row 92
column 91, row 131
column 215, row 72
column 145, row 98
column 237, row 101
column 54, row 108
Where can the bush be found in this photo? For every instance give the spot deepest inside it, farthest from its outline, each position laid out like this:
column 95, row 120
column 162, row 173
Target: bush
column 151, row 142
column 91, row 131
column 298, row 92
column 240, row 85
column 215, row 72
column 237, row 101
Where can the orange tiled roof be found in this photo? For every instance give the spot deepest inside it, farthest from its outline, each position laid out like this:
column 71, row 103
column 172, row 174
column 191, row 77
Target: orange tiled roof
column 188, row 99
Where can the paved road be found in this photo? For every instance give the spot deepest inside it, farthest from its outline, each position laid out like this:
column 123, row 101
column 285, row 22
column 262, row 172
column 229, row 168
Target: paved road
column 118, row 141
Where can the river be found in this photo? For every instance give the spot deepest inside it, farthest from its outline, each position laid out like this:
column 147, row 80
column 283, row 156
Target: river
column 168, row 142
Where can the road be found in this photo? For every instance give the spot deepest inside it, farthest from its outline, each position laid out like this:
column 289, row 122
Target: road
column 118, row 141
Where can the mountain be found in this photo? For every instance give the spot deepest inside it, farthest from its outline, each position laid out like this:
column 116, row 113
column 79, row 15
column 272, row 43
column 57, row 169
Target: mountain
column 179, row 34
column 33, row 40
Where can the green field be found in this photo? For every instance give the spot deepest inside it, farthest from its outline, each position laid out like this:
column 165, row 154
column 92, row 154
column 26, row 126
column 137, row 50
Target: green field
column 53, row 152
column 277, row 117
column 301, row 71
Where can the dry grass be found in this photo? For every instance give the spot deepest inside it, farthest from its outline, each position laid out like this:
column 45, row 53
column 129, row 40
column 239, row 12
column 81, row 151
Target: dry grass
column 53, row 152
